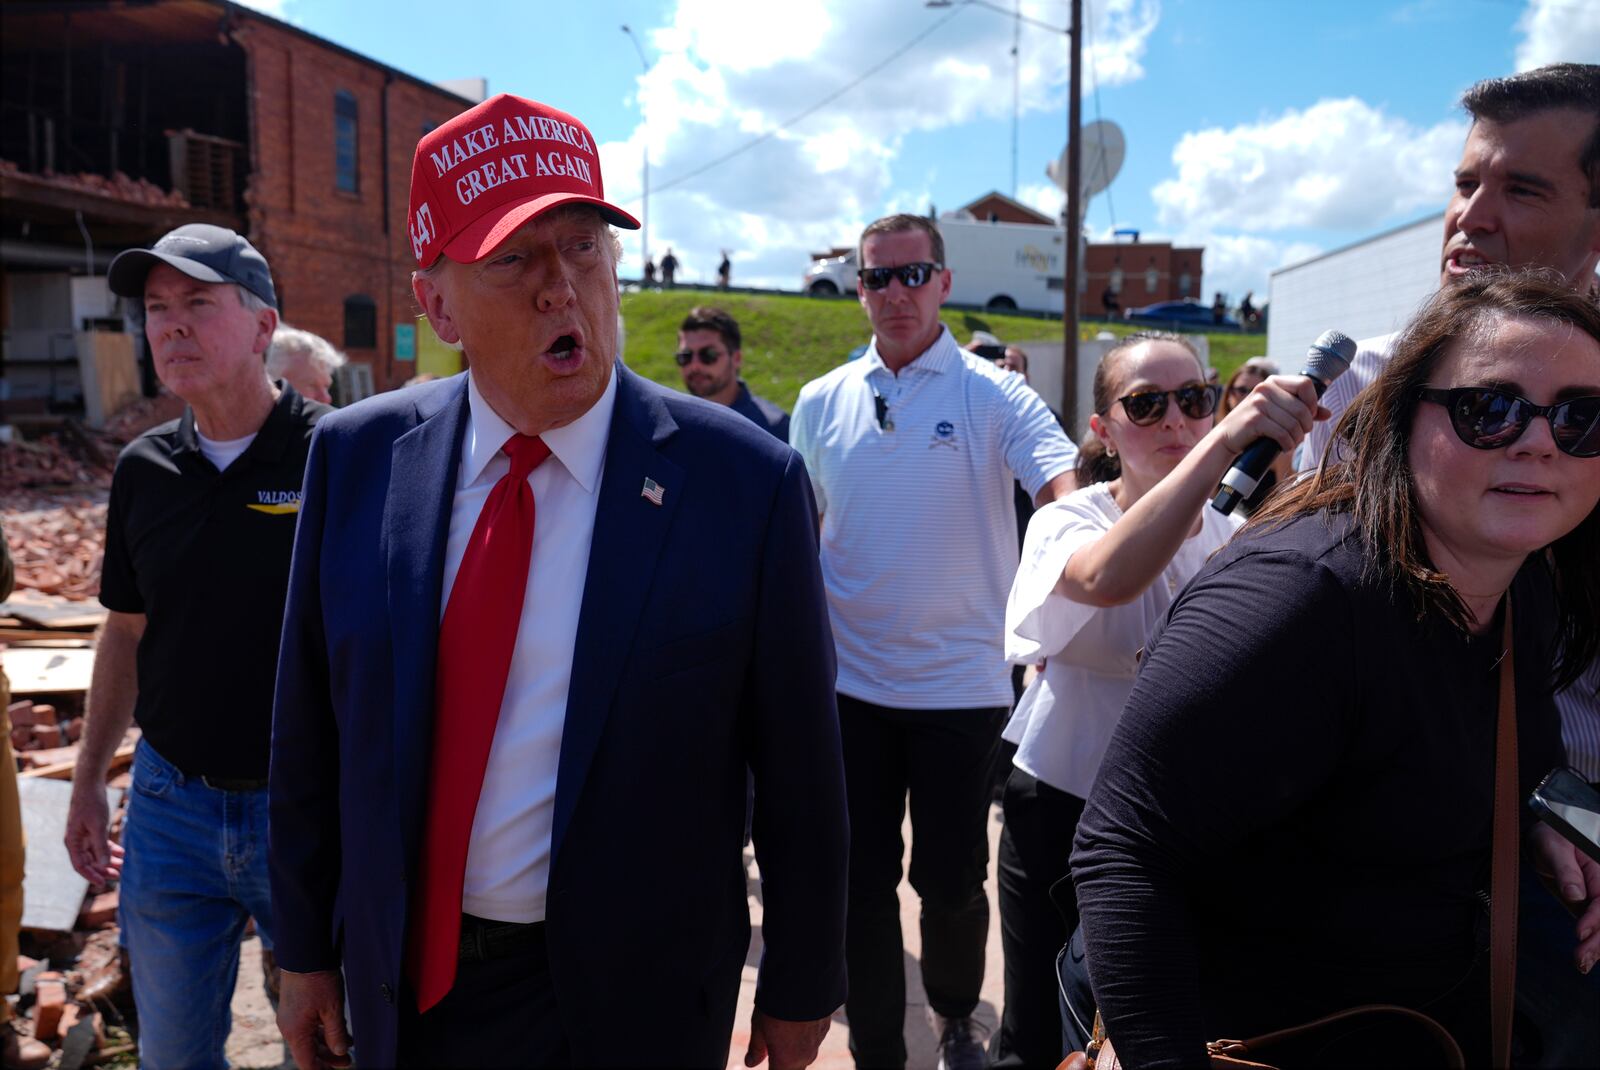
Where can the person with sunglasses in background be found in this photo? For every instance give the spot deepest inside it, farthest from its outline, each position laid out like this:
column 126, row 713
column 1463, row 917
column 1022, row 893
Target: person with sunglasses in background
column 1099, row 568
column 710, row 359
column 912, row 450
column 1294, row 815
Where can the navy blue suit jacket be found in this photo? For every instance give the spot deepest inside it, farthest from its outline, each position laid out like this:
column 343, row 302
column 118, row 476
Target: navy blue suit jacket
column 703, row 648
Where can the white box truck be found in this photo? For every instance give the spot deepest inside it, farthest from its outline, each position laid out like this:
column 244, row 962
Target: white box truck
column 1000, row 267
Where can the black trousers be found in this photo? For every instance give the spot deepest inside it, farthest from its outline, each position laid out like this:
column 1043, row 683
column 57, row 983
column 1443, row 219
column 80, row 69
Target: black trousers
column 501, row 1012
column 943, row 759
column 1035, row 844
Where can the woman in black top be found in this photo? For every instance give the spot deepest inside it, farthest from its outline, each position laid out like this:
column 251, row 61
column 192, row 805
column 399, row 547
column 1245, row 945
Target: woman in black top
column 1295, row 812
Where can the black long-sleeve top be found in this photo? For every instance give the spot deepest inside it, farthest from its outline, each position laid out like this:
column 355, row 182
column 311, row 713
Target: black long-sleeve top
column 1294, row 815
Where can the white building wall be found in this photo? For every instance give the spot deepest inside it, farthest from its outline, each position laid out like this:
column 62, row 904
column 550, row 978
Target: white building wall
column 1367, row 289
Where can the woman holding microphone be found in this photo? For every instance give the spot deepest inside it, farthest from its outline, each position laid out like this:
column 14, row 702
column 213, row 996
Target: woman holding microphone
column 1099, row 569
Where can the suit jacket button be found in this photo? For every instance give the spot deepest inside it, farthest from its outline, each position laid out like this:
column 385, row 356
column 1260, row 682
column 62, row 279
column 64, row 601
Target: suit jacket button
column 387, row 993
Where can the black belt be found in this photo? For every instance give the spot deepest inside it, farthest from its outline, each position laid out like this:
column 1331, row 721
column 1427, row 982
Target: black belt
column 483, row 939
column 223, row 784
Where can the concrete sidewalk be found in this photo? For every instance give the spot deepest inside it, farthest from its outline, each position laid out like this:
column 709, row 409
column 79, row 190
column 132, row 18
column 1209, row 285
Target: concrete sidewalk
column 921, row 1040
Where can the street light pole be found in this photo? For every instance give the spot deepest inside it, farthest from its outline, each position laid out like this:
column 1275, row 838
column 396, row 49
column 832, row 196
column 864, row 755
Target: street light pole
column 644, row 216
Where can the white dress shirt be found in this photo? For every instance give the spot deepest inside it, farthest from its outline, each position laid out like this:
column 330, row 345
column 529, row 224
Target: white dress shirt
column 508, row 857
column 1064, row 720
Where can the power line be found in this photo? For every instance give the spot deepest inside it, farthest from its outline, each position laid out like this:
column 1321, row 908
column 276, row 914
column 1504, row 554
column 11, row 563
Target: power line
column 808, row 112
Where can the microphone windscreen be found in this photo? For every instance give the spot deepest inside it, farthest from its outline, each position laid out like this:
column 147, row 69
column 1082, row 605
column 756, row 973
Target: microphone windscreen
column 1329, row 356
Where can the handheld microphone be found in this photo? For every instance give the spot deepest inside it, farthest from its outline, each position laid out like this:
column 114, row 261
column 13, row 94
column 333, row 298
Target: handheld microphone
column 1326, row 360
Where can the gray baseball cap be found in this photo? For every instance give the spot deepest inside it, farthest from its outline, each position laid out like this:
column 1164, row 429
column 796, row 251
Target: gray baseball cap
column 201, row 251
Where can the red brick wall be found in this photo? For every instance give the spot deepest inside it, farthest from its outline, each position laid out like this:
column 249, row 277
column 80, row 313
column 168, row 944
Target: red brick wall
column 1003, row 211
column 325, row 244
column 1173, row 267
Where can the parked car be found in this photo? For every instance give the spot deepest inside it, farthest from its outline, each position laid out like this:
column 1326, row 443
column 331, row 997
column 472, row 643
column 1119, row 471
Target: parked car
column 831, row 276
column 1190, row 314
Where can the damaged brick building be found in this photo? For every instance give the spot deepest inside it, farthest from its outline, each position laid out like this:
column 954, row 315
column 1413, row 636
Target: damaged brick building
column 124, row 118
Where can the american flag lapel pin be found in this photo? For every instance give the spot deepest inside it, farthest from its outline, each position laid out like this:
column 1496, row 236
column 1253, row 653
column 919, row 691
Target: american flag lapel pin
column 652, row 492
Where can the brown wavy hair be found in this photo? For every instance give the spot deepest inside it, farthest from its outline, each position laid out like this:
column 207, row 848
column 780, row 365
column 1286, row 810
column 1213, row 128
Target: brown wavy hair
column 1371, row 477
column 1095, row 465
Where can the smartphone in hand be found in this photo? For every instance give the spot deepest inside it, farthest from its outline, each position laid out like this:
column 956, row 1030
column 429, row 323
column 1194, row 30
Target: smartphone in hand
column 1565, row 801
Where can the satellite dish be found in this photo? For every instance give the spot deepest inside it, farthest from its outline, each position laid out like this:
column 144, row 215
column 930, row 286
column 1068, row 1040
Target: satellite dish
column 1104, row 149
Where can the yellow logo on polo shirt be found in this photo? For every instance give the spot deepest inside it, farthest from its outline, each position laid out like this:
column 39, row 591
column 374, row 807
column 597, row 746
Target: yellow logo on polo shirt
column 276, row 502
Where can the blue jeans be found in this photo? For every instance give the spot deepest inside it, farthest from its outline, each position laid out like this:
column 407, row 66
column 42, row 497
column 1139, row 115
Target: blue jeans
column 195, row 872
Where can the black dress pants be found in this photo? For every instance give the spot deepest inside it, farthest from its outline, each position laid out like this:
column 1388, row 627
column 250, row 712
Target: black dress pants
column 943, row 759
column 501, row 1012
column 1035, row 844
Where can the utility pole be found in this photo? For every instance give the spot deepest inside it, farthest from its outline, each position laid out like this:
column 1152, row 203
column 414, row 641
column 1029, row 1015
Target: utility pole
column 1074, row 221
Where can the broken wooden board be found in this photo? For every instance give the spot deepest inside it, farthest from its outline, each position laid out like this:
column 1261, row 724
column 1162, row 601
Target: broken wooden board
column 41, row 670
column 52, row 890
column 52, row 611
column 63, row 770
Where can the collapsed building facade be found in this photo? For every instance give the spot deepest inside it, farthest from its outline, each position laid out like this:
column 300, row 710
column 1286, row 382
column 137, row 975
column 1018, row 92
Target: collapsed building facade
column 121, row 119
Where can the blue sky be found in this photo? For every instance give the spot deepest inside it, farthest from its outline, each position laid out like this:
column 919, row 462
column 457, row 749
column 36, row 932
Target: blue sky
column 1266, row 131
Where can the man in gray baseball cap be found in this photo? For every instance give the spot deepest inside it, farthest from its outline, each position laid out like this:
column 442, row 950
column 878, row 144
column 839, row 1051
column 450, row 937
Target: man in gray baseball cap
column 198, row 538
column 200, row 251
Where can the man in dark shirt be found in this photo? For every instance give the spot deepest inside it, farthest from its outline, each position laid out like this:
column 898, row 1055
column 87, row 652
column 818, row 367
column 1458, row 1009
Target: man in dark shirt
column 198, row 538
column 709, row 357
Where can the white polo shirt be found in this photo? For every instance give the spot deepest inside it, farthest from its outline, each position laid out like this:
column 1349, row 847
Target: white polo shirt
column 919, row 532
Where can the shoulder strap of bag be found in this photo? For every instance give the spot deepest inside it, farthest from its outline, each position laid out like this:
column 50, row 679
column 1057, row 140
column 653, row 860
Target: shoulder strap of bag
column 1503, row 864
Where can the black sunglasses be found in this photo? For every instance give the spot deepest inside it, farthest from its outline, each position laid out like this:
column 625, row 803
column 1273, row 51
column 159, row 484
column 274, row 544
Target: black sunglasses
column 1149, row 406
column 707, row 354
column 910, row 275
column 1489, row 419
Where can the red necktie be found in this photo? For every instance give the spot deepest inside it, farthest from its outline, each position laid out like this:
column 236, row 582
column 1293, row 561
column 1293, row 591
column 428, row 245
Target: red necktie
column 476, row 640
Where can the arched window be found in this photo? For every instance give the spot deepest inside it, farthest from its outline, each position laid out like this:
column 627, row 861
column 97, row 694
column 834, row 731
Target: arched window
column 360, row 322
column 346, row 142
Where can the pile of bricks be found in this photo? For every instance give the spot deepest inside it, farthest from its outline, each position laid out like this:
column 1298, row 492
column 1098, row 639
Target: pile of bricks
column 57, row 541
column 73, row 991
column 41, row 736
column 54, row 459
column 137, row 417
column 119, row 185
column 69, row 999
column 56, row 488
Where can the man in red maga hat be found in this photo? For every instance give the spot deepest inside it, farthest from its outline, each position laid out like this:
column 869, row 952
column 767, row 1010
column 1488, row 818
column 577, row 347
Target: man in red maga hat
column 518, row 688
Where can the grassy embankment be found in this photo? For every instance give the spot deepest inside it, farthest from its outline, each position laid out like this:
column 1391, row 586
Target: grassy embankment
column 790, row 340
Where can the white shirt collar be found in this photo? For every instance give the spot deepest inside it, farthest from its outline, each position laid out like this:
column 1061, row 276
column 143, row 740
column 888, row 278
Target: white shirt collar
column 580, row 446
column 936, row 358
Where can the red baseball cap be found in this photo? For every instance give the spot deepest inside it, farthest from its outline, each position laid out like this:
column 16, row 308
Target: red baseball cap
column 483, row 174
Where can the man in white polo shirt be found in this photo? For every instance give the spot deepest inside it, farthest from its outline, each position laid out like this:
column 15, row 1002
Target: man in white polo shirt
column 912, row 452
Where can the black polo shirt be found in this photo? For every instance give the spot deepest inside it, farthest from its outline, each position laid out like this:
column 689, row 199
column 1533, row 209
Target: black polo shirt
column 204, row 555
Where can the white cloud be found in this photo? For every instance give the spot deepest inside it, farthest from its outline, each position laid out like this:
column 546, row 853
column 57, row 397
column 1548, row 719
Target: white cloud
column 1043, row 197
column 728, row 71
column 1557, row 30
column 1340, row 164
column 1236, row 263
